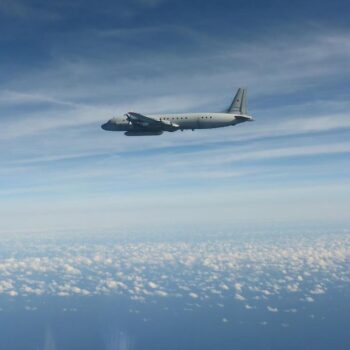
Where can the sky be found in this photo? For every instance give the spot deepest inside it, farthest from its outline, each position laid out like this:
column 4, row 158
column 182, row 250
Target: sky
column 67, row 67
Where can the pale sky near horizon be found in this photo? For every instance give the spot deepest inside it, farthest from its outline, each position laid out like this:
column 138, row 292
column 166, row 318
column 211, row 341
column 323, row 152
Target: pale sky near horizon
column 68, row 67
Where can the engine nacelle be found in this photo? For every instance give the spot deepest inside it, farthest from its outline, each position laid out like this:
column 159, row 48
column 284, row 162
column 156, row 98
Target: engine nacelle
column 143, row 133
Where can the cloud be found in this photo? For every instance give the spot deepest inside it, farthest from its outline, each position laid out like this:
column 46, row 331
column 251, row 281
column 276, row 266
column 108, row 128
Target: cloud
column 239, row 297
column 40, row 90
column 51, row 125
column 197, row 270
column 318, row 290
column 12, row 293
column 30, row 308
column 272, row 309
column 152, row 285
column 193, row 295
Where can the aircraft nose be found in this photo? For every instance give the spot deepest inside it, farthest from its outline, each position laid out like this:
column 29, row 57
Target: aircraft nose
column 105, row 126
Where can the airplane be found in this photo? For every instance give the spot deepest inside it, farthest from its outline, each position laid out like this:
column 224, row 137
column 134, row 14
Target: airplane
column 136, row 124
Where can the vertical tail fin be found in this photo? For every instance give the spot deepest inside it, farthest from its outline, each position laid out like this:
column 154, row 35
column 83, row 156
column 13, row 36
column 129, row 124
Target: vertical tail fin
column 239, row 103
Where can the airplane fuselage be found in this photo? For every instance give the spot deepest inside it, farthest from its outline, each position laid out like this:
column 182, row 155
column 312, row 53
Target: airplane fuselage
column 137, row 124
column 185, row 121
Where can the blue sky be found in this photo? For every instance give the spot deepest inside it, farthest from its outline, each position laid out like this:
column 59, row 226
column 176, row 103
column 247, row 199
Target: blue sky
column 67, row 67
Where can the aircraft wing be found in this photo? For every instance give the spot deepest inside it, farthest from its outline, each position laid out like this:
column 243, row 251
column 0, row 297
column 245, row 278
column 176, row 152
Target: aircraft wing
column 143, row 122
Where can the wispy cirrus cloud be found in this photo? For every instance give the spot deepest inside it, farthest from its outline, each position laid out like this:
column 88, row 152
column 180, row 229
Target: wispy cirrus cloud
column 51, row 112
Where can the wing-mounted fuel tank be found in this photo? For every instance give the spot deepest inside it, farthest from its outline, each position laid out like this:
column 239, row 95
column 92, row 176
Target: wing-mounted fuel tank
column 143, row 133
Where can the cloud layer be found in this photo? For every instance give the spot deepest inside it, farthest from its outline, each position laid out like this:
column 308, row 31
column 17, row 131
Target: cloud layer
column 255, row 272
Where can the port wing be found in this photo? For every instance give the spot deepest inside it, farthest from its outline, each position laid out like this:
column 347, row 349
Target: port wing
column 147, row 123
